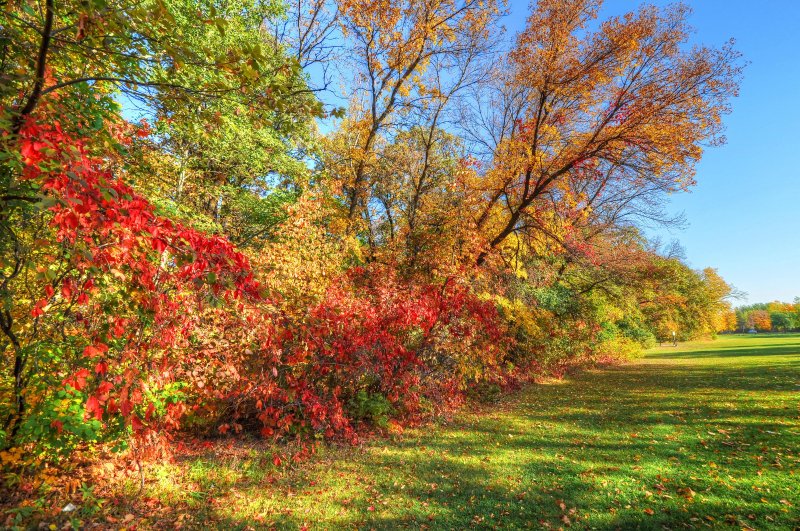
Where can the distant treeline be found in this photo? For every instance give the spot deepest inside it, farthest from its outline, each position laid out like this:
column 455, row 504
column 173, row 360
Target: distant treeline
column 769, row 316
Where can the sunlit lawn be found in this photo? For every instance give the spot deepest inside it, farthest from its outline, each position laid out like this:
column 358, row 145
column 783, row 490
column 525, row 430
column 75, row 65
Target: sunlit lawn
column 702, row 435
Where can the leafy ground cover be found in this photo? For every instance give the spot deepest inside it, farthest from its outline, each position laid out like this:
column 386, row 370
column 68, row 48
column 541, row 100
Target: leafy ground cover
column 701, row 435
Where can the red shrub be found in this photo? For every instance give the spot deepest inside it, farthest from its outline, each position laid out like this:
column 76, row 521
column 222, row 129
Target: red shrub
column 160, row 320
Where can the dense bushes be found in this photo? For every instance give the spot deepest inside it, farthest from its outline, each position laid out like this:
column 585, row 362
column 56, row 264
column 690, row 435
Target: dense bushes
column 223, row 267
column 109, row 297
column 372, row 348
column 142, row 326
column 137, row 321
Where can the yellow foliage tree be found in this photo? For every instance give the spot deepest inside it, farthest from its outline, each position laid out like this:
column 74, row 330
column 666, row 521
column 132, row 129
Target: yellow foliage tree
column 619, row 110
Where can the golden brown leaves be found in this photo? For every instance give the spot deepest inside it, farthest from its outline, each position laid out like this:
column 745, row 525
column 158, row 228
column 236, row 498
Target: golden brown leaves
column 620, row 108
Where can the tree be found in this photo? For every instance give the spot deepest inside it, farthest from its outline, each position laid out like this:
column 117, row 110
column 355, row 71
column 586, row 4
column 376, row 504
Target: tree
column 729, row 322
column 134, row 47
column 760, row 320
column 393, row 43
column 88, row 261
column 229, row 106
column 620, row 108
column 781, row 321
column 234, row 161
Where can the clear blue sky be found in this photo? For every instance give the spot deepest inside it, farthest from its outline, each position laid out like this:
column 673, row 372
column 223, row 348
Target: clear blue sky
column 743, row 215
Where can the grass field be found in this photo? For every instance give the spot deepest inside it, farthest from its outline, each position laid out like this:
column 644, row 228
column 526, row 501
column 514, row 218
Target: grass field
column 703, row 435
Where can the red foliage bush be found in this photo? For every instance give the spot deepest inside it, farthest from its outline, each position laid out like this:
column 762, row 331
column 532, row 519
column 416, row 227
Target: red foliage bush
column 158, row 321
column 373, row 337
column 122, row 296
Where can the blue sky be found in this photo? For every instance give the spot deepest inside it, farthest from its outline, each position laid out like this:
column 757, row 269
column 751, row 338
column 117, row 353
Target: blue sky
column 743, row 214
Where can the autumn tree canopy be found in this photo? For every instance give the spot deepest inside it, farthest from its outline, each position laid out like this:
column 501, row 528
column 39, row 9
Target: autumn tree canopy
column 605, row 121
column 306, row 220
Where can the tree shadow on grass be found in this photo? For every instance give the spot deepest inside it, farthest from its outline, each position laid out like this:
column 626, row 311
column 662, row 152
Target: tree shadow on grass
column 781, row 375
column 776, row 349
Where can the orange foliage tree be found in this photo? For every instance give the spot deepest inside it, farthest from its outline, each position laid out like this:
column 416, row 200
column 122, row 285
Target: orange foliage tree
column 621, row 110
column 760, row 320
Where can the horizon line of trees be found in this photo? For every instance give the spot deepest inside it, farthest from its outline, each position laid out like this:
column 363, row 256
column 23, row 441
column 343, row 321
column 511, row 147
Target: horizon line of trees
column 775, row 316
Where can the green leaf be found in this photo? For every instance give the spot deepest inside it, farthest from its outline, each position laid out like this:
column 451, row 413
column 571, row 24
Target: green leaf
column 46, row 202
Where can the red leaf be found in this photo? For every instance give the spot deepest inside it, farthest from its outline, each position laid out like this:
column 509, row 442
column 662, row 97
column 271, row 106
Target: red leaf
column 95, row 350
column 93, row 408
column 78, row 380
column 125, row 408
column 101, row 367
column 158, row 244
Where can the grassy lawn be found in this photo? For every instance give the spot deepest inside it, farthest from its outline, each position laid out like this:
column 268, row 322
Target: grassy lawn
column 703, row 435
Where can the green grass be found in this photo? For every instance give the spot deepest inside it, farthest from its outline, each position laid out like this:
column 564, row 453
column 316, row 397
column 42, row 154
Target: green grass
column 701, row 435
